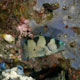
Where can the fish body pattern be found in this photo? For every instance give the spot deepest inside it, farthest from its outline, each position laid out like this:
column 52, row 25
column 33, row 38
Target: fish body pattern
column 41, row 46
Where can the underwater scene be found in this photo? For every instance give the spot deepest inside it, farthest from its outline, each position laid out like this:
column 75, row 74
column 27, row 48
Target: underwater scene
column 39, row 39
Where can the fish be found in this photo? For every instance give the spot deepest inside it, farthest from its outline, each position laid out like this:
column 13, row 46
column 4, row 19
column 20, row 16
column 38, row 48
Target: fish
column 41, row 46
column 7, row 37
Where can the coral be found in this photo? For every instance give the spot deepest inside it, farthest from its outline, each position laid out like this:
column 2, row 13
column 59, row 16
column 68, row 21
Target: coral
column 12, row 74
column 24, row 28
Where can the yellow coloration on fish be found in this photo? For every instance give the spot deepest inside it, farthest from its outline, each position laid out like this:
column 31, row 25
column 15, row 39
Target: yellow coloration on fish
column 7, row 37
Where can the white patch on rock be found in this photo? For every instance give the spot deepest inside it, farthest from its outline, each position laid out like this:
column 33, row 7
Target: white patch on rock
column 72, row 9
column 12, row 73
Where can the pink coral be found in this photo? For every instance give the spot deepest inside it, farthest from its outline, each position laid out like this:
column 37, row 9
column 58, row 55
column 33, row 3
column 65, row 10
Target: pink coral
column 30, row 35
column 24, row 28
column 23, row 20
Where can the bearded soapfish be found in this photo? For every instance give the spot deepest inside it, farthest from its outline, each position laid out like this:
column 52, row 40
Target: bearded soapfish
column 41, row 46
